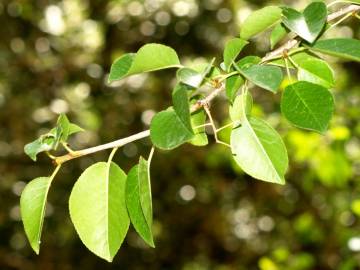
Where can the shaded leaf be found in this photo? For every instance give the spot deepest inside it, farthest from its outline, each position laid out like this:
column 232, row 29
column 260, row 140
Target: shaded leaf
column 277, row 34
column 232, row 86
column 267, row 77
column 346, row 48
column 138, row 200
column 190, row 77
column 307, row 105
column 197, row 119
column 172, row 127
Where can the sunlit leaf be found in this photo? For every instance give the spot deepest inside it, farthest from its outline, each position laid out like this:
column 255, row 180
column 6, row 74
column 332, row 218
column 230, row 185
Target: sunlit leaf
column 241, row 104
column 150, row 57
column 316, row 71
column 232, row 49
column 32, row 206
column 98, row 209
column 259, row 150
column 259, row 21
column 308, row 24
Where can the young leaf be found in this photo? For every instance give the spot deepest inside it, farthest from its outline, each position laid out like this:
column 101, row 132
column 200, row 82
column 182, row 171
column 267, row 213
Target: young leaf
column 150, row 57
column 98, row 209
column 346, row 48
column 259, row 21
column 259, row 150
column 138, row 200
column 308, row 24
column 232, row 49
column 66, row 127
column 267, row 77
column 197, row 119
column 32, row 206
column 236, row 110
column 277, row 34
column 41, row 144
column 172, row 127
column 73, row 128
column 316, row 71
column 307, row 105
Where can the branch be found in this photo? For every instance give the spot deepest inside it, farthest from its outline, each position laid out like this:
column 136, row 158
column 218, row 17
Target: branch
column 121, row 142
column 294, row 42
column 201, row 103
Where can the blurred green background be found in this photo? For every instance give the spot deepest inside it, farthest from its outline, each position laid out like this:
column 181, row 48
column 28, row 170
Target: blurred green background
column 55, row 57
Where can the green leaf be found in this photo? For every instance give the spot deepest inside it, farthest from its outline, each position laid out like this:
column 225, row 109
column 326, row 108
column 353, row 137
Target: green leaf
column 138, row 200
column 73, row 128
column 67, row 128
column 259, row 21
column 150, row 57
column 248, row 61
column 98, row 209
column 236, row 110
column 64, row 124
column 232, row 85
column 232, row 49
column 259, row 150
column 308, row 24
column 277, row 34
column 41, row 144
column 197, row 119
column 167, row 131
column 120, row 68
column 190, row 77
column 267, row 77
column 316, row 71
column 32, row 206
column 171, row 128
column 307, row 105
column 346, row 48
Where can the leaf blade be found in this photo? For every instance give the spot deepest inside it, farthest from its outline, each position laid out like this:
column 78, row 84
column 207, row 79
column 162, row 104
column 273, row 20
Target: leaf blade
column 259, row 21
column 307, row 105
column 259, row 150
column 101, row 227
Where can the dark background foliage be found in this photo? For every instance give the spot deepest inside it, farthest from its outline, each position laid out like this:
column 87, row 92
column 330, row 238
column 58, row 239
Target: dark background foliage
column 55, row 57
